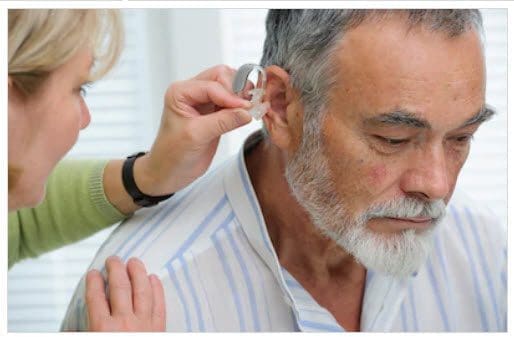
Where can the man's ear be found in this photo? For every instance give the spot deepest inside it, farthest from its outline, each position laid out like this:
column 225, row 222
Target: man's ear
column 280, row 95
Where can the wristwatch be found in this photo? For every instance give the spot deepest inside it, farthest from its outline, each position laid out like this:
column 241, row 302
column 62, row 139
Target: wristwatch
column 127, row 176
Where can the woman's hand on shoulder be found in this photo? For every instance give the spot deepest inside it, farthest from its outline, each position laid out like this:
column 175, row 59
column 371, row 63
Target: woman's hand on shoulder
column 135, row 301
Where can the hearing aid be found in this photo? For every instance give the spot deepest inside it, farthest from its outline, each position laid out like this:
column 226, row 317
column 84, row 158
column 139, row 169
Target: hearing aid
column 258, row 108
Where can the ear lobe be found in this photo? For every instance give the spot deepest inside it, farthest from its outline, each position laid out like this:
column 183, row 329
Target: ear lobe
column 276, row 93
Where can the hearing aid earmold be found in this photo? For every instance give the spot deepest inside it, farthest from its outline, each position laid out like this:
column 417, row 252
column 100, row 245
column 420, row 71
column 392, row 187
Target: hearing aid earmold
column 258, row 108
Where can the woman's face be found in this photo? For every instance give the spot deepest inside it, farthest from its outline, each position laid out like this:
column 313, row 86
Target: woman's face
column 44, row 126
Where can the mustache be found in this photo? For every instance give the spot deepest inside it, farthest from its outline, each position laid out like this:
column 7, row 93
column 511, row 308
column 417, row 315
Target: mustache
column 407, row 208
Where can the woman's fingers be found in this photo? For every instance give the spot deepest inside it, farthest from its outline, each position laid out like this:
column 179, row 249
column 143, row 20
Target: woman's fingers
column 120, row 289
column 220, row 73
column 159, row 306
column 141, row 288
column 136, row 300
column 96, row 300
column 213, row 125
column 188, row 94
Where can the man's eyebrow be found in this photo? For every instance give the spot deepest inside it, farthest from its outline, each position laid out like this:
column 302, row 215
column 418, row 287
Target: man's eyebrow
column 399, row 117
column 406, row 118
column 484, row 114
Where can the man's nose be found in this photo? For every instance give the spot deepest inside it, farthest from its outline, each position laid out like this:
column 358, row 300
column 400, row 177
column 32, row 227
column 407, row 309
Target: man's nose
column 428, row 177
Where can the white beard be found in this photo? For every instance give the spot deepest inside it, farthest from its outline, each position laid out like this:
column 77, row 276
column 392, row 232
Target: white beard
column 396, row 254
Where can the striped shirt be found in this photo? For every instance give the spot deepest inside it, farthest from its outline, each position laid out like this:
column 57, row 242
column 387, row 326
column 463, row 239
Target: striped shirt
column 211, row 249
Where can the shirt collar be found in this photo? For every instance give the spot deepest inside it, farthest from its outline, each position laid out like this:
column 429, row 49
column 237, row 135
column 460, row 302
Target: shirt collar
column 243, row 199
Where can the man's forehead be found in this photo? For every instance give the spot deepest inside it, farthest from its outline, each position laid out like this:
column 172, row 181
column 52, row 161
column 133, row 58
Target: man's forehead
column 390, row 44
column 381, row 68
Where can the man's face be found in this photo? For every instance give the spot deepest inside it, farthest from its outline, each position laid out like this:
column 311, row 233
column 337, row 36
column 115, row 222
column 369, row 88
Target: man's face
column 397, row 131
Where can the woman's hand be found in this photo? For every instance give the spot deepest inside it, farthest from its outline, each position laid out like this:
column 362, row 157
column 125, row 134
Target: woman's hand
column 135, row 301
column 196, row 113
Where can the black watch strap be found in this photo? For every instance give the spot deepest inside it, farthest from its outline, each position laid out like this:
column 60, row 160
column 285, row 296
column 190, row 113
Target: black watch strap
column 127, row 176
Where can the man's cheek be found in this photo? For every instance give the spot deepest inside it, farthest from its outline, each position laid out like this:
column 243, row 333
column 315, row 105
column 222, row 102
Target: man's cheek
column 374, row 178
column 376, row 175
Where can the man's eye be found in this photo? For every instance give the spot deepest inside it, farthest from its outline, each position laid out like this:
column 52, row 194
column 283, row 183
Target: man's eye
column 392, row 141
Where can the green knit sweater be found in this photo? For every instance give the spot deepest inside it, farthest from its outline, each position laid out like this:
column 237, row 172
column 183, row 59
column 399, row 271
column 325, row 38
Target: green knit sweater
column 75, row 207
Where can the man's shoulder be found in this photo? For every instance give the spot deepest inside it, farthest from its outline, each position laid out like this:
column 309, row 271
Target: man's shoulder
column 157, row 234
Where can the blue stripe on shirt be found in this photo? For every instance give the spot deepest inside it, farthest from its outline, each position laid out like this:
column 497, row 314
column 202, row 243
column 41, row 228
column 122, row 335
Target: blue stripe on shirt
column 480, row 301
column 192, row 290
column 248, row 281
column 200, row 228
column 504, row 270
column 162, row 213
column 191, row 194
column 135, row 233
column 182, row 298
column 231, row 282
column 444, row 266
column 437, row 294
column 369, row 276
column 413, row 308
column 253, row 262
column 199, row 273
column 320, row 326
column 403, row 316
column 485, row 267
column 293, row 284
column 150, row 228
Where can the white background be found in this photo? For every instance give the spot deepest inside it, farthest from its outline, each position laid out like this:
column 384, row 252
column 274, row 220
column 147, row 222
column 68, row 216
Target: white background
column 167, row 45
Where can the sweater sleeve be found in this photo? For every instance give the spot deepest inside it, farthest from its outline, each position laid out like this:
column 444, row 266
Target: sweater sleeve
column 75, row 206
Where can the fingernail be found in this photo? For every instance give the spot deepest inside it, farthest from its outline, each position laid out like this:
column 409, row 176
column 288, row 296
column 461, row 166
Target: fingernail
column 133, row 258
column 246, row 104
column 113, row 258
column 244, row 116
column 153, row 278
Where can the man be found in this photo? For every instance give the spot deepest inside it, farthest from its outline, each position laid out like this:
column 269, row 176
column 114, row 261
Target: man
column 333, row 219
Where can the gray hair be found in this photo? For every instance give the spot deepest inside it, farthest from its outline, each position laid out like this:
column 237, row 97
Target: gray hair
column 302, row 41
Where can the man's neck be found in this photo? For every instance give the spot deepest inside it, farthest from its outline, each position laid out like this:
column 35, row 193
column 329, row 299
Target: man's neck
column 316, row 261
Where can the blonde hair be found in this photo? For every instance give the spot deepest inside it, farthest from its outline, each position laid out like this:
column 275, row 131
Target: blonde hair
column 41, row 40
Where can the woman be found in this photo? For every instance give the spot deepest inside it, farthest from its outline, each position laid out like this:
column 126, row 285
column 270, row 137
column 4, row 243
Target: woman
column 52, row 55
